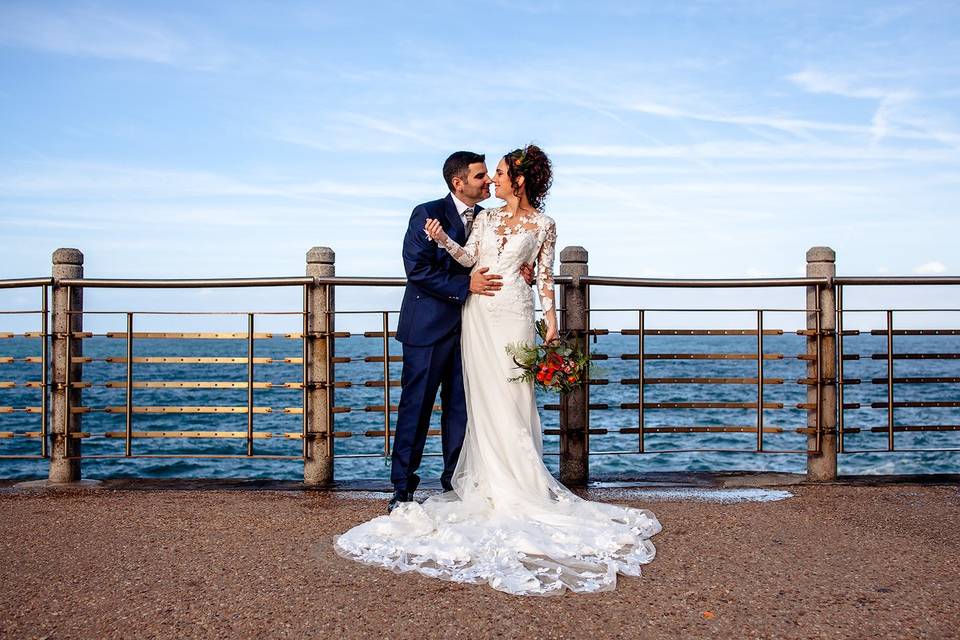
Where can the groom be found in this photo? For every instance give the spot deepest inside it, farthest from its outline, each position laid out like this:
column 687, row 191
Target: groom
column 429, row 325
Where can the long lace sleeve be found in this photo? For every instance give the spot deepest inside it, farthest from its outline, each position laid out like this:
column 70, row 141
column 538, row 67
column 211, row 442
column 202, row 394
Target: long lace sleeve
column 467, row 254
column 545, row 259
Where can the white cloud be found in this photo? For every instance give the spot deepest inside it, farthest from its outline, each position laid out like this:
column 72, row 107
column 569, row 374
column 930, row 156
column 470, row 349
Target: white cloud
column 930, row 268
column 80, row 31
column 77, row 180
column 894, row 116
column 820, row 82
column 370, row 133
column 791, row 125
column 741, row 150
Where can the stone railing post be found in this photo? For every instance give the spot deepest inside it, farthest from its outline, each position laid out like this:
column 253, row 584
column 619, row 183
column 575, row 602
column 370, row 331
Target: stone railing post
column 822, row 467
column 574, row 412
column 64, row 449
column 318, row 466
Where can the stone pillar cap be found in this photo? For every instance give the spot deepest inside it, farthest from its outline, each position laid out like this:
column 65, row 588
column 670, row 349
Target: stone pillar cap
column 821, row 254
column 321, row 255
column 68, row 256
column 573, row 254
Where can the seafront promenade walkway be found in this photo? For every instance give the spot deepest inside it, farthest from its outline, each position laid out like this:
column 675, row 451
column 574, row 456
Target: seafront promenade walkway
column 865, row 558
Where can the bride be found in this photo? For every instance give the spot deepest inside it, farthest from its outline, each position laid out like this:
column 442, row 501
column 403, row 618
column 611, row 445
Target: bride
column 508, row 522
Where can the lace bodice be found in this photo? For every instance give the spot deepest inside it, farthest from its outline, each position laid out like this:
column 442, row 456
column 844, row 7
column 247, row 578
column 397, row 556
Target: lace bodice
column 503, row 248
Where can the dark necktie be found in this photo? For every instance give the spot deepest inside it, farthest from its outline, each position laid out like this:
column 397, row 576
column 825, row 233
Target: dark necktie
column 468, row 225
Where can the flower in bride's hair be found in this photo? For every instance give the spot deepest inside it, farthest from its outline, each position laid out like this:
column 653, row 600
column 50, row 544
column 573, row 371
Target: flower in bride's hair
column 520, row 156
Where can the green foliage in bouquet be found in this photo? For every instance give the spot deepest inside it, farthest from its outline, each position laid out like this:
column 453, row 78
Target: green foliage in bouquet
column 559, row 366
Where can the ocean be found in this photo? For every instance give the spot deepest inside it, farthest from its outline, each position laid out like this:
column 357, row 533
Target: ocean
column 359, row 420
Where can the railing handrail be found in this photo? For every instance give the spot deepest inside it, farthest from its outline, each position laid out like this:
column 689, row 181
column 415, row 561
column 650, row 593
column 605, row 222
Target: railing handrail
column 363, row 281
column 896, row 280
column 705, row 283
column 13, row 283
column 185, row 283
column 375, row 281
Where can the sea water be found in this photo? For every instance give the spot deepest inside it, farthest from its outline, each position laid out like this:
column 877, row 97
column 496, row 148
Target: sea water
column 615, row 454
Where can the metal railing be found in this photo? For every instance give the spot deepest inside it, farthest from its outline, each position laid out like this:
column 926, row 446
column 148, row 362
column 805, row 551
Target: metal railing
column 43, row 285
column 889, row 356
column 61, row 382
column 250, row 337
column 643, row 405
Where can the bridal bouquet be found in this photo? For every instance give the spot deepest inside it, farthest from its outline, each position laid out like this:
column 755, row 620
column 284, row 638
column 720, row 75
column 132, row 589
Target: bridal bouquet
column 559, row 366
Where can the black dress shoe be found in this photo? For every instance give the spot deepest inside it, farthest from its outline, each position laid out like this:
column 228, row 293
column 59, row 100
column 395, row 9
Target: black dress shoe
column 398, row 497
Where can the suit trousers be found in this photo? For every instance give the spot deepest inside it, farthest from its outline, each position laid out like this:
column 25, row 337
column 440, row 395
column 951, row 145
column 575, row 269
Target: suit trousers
column 425, row 370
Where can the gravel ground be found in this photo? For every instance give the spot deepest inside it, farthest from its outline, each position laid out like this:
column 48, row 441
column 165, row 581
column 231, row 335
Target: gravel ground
column 835, row 561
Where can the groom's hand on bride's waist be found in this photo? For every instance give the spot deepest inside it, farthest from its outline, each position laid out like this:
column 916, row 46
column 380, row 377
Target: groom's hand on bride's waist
column 526, row 272
column 483, row 283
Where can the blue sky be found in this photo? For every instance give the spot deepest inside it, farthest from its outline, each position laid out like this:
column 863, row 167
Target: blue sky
column 690, row 139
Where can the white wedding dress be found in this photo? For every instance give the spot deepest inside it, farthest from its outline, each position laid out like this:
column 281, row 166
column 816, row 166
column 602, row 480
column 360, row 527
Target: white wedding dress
column 507, row 522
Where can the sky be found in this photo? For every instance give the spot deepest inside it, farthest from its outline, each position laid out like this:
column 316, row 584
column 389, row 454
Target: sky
column 691, row 139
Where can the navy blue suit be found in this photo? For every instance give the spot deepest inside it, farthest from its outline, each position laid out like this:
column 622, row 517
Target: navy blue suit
column 429, row 328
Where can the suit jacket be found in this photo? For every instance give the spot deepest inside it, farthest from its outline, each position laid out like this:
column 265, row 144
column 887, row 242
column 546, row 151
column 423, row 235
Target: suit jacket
column 437, row 285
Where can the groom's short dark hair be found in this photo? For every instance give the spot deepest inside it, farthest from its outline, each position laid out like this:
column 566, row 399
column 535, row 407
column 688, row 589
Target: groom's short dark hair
column 457, row 165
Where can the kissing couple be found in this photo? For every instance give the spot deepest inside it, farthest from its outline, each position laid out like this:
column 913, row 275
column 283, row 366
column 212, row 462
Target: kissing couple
column 502, row 518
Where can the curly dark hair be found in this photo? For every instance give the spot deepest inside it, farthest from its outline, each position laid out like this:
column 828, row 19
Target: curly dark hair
column 537, row 171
